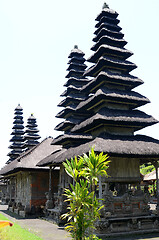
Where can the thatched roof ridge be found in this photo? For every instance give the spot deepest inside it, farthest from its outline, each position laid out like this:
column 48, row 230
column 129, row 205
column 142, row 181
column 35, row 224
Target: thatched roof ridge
column 65, row 112
column 103, row 77
column 107, row 40
column 72, row 137
column 107, row 116
column 64, row 126
column 107, row 12
column 106, row 32
column 111, row 51
column 49, row 159
column 75, row 73
column 67, row 124
column 111, row 27
column 19, row 108
column 76, row 66
column 138, row 146
column 32, row 136
column 71, row 89
column 69, row 112
column 70, row 122
column 77, row 59
column 76, row 51
column 107, row 19
column 76, row 81
column 105, row 94
column 30, row 158
column 104, row 62
column 70, row 100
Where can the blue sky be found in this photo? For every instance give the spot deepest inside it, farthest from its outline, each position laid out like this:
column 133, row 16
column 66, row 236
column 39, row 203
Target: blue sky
column 36, row 39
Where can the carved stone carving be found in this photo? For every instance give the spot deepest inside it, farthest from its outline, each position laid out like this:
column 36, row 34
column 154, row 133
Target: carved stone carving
column 130, row 203
column 127, row 198
column 49, row 202
column 102, row 225
column 134, row 224
column 146, row 198
column 19, row 206
column 156, row 224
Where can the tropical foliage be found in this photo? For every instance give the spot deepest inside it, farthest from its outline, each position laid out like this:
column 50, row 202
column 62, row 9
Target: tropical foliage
column 146, row 168
column 84, row 206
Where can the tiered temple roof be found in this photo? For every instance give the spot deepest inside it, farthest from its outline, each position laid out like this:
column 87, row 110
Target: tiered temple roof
column 31, row 133
column 111, row 102
column 17, row 139
column 139, row 147
column 73, row 97
column 28, row 159
column 109, row 108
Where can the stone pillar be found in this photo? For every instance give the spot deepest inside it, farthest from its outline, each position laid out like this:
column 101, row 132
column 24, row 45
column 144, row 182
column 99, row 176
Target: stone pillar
column 10, row 189
column 50, row 180
column 49, row 202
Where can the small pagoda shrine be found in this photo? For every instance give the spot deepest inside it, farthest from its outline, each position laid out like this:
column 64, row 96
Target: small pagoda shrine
column 73, row 97
column 31, row 133
column 17, row 139
column 107, row 118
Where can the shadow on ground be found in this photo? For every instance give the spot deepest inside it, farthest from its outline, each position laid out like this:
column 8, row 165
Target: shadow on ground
column 14, row 215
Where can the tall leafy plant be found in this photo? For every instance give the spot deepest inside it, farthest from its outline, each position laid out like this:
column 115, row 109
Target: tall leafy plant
column 84, row 206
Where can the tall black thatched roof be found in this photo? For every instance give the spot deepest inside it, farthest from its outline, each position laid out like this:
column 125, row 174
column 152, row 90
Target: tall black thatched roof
column 31, row 133
column 107, row 112
column 106, row 77
column 17, row 140
column 72, row 94
column 138, row 146
column 130, row 99
column 29, row 159
column 111, row 104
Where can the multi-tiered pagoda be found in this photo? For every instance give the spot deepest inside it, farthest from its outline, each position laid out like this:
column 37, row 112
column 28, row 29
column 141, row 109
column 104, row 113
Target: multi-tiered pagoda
column 72, row 98
column 31, row 133
column 17, row 139
column 109, row 117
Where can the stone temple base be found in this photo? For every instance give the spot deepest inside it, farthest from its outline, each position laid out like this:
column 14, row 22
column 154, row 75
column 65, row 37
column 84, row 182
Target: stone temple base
column 127, row 225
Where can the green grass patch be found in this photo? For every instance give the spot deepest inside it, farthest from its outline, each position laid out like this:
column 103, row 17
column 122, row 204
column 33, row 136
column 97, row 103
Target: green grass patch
column 16, row 232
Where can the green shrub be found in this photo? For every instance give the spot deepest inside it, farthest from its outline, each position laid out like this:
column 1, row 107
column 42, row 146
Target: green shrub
column 84, row 207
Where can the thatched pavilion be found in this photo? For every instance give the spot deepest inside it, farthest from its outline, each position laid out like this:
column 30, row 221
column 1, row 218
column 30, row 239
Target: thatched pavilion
column 28, row 184
column 107, row 119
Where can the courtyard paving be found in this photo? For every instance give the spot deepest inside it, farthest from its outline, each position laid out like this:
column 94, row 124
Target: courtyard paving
column 42, row 228
column 50, row 231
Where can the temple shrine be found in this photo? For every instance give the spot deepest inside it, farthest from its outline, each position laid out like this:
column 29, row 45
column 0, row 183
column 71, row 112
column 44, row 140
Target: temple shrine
column 31, row 133
column 107, row 118
column 72, row 97
column 100, row 110
column 17, row 139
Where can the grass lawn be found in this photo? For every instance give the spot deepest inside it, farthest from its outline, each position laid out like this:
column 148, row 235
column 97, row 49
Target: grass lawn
column 15, row 232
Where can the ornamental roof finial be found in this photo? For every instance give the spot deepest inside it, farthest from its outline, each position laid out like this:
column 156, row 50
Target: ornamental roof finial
column 105, row 5
column 75, row 47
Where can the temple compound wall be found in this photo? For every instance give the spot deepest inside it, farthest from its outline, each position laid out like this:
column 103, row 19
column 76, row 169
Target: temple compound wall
column 28, row 191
